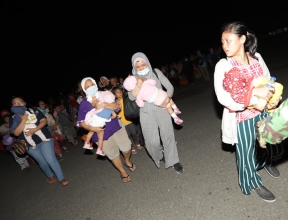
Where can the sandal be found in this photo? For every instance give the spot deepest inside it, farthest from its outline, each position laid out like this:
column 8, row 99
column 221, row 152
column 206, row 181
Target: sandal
column 125, row 177
column 64, row 182
column 26, row 169
column 139, row 146
column 130, row 168
column 51, row 180
column 133, row 151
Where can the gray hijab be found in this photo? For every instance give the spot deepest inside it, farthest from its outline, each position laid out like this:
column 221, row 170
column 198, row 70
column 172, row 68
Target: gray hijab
column 143, row 57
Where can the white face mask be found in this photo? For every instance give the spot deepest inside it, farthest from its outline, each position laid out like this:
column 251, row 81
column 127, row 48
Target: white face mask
column 91, row 91
column 143, row 72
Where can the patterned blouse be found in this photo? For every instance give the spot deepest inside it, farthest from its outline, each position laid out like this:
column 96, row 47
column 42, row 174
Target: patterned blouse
column 254, row 70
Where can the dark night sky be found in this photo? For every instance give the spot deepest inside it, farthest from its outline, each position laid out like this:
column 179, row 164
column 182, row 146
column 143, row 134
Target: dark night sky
column 45, row 53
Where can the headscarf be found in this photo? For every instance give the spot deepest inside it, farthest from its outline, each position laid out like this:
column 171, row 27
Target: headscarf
column 104, row 78
column 109, row 86
column 141, row 56
column 84, row 80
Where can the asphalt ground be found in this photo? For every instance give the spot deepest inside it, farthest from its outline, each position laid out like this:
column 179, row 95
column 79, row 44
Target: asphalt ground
column 208, row 188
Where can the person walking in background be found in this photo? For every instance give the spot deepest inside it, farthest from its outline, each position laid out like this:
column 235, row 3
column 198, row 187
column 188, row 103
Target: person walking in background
column 115, row 83
column 202, row 66
column 72, row 108
column 154, row 119
column 174, row 77
column 54, row 129
column 67, row 126
column 211, row 59
column 106, row 83
column 238, row 121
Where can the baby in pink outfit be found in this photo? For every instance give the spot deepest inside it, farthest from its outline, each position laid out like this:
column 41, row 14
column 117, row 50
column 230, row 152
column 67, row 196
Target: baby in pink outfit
column 151, row 94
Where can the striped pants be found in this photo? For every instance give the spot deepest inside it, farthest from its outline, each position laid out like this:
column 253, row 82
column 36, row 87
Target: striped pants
column 247, row 164
column 22, row 161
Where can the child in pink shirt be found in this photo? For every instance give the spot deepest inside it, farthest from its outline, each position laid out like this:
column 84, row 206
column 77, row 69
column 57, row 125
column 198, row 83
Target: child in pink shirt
column 151, row 94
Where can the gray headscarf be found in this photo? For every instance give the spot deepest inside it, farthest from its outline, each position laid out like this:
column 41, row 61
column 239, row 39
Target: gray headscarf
column 141, row 56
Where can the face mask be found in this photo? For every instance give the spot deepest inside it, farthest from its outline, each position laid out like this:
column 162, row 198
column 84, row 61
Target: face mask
column 143, row 72
column 91, row 91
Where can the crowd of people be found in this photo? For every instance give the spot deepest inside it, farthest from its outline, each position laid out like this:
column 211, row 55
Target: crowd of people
column 96, row 113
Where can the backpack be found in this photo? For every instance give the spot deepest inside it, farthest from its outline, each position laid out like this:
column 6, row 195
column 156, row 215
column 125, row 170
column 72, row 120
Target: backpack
column 274, row 128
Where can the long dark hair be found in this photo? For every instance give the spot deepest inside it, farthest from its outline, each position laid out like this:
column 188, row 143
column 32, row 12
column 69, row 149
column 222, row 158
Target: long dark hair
column 239, row 28
column 114, row 91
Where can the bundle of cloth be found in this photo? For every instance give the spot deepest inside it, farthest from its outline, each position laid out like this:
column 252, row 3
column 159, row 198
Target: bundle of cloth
column 274, row 128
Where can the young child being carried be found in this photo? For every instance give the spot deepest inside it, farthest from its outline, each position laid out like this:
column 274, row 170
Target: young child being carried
column 97, row 117
column 30, row 123
column 240, row 87
column 151, row 94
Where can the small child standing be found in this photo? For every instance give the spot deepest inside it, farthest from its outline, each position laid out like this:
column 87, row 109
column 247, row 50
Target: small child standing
column 97, row 117
column 129, row 125
column 151, row 94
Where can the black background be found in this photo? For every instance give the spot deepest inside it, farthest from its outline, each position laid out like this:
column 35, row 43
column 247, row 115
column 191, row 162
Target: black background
column 47, row 50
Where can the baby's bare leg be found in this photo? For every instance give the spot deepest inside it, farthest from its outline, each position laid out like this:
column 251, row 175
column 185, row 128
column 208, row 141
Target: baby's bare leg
column 170, row 110
column 100, row 139
column 89, row 136
column 172, row 102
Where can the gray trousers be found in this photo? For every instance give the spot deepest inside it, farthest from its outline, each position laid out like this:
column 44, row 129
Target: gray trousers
column 154, row 120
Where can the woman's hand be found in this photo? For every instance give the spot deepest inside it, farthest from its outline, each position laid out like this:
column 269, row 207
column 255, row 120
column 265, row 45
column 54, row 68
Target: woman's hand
column 24, row 117
column 30, row 131
column 54, row 127
column 264, row 92
column 97, row 130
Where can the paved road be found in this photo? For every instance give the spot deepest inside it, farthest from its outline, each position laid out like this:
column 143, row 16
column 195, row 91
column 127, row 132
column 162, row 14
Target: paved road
column 208, row 188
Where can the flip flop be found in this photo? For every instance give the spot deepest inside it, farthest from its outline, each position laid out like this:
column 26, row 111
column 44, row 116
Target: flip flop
column 133, row 151
column 123, row 177
column 130, row 168
column 51, row 180
column 139, row 146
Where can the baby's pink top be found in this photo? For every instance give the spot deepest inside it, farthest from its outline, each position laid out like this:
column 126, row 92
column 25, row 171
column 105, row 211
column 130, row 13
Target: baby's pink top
column 147, row 91
column 103, row 96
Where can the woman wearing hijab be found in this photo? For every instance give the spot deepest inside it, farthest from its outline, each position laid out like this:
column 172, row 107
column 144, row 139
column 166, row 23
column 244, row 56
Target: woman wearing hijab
column 106, row 83
column 115, row 135
column 154, row 119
